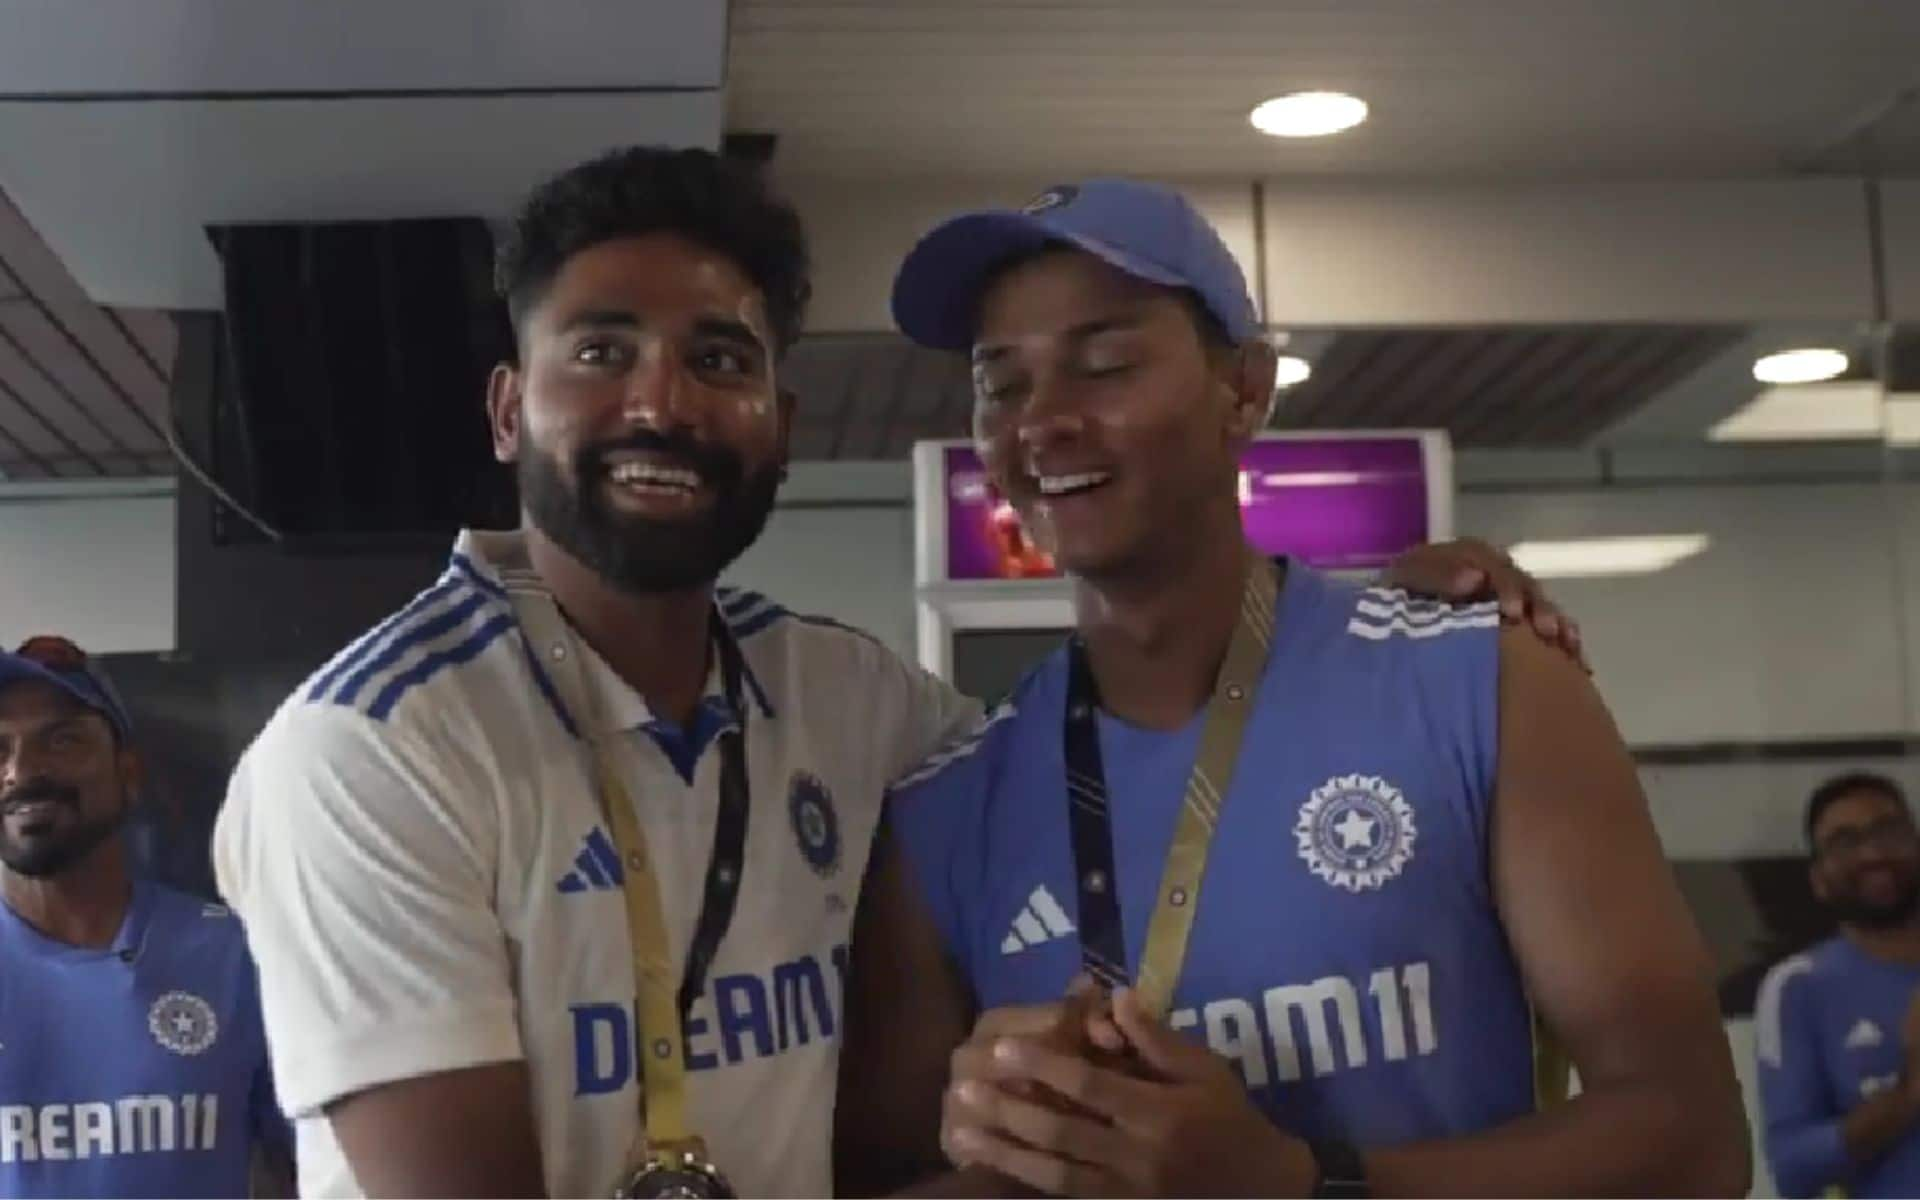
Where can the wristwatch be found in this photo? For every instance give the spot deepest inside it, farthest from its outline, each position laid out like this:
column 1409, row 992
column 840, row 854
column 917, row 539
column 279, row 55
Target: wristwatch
column 1339, row 1171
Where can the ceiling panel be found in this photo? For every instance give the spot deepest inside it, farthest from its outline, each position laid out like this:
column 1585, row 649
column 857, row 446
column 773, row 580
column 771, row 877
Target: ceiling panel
column 163, row 47
column 873, row 396
column 1465, row 88
column 151, row 332
column 44, row 398
column 67, row 363
column 1537, row 388
column 71, row 166
column 83, row 389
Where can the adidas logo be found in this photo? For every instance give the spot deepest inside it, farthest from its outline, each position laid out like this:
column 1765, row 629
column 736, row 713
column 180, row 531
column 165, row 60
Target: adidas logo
column 1041, row 919
column 596, row 868
column 1864, row 1035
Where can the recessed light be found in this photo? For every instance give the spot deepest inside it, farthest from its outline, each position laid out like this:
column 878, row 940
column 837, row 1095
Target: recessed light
column 1309, row 114
column 1588, row 558
column 1810, row 365
column 1289, row 370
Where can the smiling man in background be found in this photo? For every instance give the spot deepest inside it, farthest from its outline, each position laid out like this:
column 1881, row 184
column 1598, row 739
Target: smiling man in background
column 1837, row 1028
column 132, row 1060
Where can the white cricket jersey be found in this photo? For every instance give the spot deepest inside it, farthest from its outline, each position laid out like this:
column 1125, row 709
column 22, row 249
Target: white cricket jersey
column 416, row 846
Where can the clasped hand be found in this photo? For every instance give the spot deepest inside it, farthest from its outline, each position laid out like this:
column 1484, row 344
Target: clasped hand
column 1095, row 1098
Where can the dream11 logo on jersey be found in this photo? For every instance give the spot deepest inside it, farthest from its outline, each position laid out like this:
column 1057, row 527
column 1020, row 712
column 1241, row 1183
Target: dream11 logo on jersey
column 742, row 1017
column 1324, row 1017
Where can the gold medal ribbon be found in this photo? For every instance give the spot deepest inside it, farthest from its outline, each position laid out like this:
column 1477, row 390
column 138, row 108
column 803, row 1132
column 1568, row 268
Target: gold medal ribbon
column 665, row 1131
column 1228, row 710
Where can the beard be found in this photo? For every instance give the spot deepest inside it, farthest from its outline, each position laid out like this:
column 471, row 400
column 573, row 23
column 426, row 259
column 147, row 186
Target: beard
column 44, row 856
column 1851, row 908
column 644, row 555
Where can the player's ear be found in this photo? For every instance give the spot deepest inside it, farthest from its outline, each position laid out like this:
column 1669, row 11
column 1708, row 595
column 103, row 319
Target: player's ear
column 132, row 770
column 785, row 403
column 503, row 411
column 1249, row 373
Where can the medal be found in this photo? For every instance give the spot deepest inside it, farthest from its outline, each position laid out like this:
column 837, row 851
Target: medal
column 681, row 1174
column 674, row 1161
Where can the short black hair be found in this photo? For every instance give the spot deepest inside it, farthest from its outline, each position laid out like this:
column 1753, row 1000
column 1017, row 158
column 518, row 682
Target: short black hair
column 720, row 203
column 1849, row 784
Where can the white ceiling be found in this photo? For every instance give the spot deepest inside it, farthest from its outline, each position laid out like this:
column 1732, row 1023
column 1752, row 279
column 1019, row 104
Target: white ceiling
column 1459, row 88
column 128, row 126
column 72, row 167
column 124, row 48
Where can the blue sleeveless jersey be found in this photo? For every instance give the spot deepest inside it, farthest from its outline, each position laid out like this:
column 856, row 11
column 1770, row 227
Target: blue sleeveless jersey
column 1346, row 955
column 137, row 1069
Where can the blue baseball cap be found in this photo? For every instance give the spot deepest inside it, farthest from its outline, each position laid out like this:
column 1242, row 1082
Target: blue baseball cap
column 57, row 661
column 1148, row 231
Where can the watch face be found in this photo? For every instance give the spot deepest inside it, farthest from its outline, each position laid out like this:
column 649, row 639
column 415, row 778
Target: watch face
column 679, row 1180
column 1342, row 1173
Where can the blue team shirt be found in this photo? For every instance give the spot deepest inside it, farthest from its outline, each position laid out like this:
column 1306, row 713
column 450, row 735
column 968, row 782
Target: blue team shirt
column 135, row 1070
column 1827, row 1036
column 1346, row 955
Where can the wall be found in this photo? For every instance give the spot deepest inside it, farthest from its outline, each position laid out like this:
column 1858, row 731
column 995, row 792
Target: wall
column 852, row 564
column 94, row 563
column 1786, row 628
column 1783, row 629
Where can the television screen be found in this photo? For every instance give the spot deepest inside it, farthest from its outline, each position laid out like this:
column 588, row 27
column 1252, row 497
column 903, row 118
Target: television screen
column 1337, row 503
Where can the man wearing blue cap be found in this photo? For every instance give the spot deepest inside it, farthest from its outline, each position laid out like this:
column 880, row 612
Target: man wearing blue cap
column 1329, row 857
column 132, row 1060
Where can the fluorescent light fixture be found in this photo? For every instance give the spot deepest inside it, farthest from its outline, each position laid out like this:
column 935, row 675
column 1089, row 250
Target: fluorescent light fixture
column 1309, row 114
column 1289, row 371
column 1903, row 419
column 1807, row 413
column 1589, row 558
column 1810, row 365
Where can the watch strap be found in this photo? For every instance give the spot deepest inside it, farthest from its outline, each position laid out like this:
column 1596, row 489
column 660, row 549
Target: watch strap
column 1339, row 1171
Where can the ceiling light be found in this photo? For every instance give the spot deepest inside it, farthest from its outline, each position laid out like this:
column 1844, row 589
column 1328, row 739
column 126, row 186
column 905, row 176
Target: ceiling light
column 1811, row 365
column 1807, row 413
column 1309, row 114
column 1588, row 558
column 1289, row 370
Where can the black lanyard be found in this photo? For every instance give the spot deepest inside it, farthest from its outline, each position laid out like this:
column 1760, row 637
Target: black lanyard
column 1103, row 947
column 1103, row 943
column 727, row 863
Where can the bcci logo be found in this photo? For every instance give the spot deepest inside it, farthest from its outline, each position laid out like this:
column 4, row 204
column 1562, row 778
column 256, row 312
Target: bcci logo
column 815, row 826
column 183, row 1023
column 1356, row 832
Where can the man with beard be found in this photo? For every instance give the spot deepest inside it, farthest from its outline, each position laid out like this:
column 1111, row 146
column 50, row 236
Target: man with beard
column 551, row 874
column 477, row 848
column 132, row 1061
column 1837, row 1028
